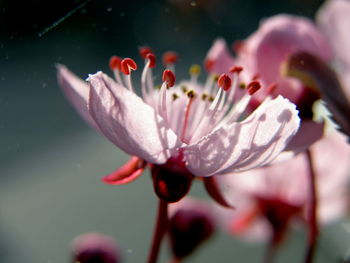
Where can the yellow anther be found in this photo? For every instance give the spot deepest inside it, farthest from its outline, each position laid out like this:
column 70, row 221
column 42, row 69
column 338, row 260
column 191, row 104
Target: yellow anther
column 242, row 85
column 191, row 94
column 216, row 77
column 204, row 96
column 195, row 70
column 175, row 96
column 184, row 88
column 211, row 99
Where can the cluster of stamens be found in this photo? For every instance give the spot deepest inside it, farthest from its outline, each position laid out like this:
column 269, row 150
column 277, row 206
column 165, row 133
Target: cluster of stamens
column 188, row 116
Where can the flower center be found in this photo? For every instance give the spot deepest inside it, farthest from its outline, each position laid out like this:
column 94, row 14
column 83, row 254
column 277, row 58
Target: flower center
column 190, row 109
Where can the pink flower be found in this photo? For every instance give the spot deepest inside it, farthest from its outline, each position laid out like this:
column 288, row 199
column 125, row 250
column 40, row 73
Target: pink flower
column 334, row 20
column 188, row 128
column 268, row 199
column 263, row 55
column 265, row 51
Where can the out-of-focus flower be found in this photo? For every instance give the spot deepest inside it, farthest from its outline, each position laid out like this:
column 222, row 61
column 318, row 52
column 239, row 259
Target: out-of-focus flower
column 191, row 223
column 263, row 56
column 263, row 53
column 180, row 130
column 269, row 198
column 93, row 248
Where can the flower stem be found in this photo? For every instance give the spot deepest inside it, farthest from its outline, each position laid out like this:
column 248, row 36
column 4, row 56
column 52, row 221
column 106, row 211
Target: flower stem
column 312, row 214
column 159, row 231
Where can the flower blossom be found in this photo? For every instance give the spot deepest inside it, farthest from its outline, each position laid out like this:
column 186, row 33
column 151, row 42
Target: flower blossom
column 183, row 129
column 268, row 199
column 263, row 56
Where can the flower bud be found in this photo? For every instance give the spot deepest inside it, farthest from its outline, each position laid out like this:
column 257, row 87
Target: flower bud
column 188, row 228
column 93, row 248
column 171, row 182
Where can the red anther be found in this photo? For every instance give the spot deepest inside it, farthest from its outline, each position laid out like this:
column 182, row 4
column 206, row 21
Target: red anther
column 272, row 88
column 170, row 57
column 127, row 65
column 152, row 59
column 236, row 69
column 115, row 63
column 237, row 46
column 253, row 87
column 144, row 51
column 256, row 76
column 225, row 82
column 168, row 77
column 208, row 64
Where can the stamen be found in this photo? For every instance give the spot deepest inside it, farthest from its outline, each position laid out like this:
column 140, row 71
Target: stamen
column 191, row 96
column 225, row 82
column 205, row 96
column 272, row 88
column 175, row 96
column 152, row 59
column 208, row 64
column 162, row 108
column 127, row 65
column 169, row 78
column 144, row 51
column 115, row 63
column 253, row 87
column 236, row 69
column 256, row 76
column 195, row 71
column 170, row 58
column 115, row 66
column 237, row 46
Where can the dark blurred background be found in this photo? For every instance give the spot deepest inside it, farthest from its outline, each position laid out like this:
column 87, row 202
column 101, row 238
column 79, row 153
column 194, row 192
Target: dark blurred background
column 51, row 161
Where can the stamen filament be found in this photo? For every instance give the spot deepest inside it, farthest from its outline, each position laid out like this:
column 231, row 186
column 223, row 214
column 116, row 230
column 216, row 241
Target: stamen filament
column 187, row 114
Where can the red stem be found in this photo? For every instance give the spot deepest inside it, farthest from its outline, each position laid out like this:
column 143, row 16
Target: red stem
column 159, row 231
column 312, row 220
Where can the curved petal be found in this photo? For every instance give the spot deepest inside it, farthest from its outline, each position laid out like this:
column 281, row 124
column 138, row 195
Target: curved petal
column 129, row 172
column 333, row 19
column 219, row 59
column 128, row 122
column 251, row 143
column 317, row 74
column 308, row 133
column 76, row 91
column 277, row 37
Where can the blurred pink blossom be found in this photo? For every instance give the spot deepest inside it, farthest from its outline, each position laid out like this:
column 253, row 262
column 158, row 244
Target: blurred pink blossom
column 268, row 199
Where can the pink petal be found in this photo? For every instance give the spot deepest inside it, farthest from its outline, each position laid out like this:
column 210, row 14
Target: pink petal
column 333, row 19
column 331, row 159
column 128, row 122
column 251, row 143
column 277, row 38
column 219, row 58
column 127, row 173
column 76, row 91
column 308, row 133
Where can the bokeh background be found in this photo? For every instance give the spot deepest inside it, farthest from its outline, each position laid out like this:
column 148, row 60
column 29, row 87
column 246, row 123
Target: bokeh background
column 51, row 162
